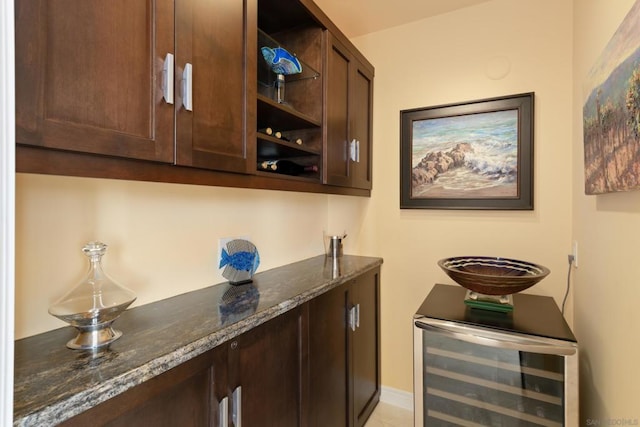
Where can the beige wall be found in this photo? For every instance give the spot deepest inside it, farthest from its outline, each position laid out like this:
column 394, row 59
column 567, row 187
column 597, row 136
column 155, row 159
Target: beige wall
column 163, row 238
column 443, row 60
column 607, row 228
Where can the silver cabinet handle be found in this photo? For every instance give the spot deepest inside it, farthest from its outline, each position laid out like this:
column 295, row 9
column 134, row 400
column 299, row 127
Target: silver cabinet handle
column 353, row 150
column 511, row 341
column 187, row 87
column 223, row 412
column 352, row 318
column 167, row 79
column 236, row 414
column 357, row 307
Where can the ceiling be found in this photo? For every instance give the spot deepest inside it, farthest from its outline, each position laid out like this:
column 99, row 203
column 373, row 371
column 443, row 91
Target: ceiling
column 358, row 17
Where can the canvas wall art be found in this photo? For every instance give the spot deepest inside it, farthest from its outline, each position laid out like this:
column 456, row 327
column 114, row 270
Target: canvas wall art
column 471, row 155
column 611, row 113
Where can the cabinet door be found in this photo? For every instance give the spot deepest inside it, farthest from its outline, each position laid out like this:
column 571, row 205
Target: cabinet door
column 89, row 76
column 360, row 112
column 220, row 401
column 365, row 346
column 266, row 370
column 337, row 115
column 181, row 397
column 349, row 118
column 213, row 116
column 328, row 359
column 344, row 353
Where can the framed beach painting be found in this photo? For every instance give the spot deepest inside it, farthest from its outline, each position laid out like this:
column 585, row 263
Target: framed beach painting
column 472, row 155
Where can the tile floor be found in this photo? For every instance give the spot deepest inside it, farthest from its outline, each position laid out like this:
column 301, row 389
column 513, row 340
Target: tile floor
column 386, row 415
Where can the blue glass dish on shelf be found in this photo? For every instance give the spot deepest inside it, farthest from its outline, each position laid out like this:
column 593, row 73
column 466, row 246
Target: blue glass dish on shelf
column 281, row 61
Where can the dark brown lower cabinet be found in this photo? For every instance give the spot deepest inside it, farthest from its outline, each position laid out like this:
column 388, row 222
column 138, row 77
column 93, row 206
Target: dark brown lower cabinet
column 179, row 397
column 255, row 379
column 344, row 353
column 266, row 373
column 364, row 348
column 328, row 359
column 315, row 365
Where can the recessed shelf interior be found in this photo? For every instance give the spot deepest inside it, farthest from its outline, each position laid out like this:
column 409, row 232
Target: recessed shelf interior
column 299, row 115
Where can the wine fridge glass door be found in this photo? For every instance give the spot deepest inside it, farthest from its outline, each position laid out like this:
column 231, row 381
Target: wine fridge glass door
column 473, row 380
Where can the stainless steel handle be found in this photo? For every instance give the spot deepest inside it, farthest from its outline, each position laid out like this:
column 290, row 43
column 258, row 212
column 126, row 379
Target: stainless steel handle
column 187, row 87
column 353, row 150
column 236, row 414
column 510, row 341
column 167, row 79
column 223, row 412
column 357, row 307
column 352, row 318
column 357, row 151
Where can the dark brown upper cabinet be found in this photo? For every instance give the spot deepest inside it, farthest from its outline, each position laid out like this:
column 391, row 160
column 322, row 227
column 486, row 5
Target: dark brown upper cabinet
column 89, row 76
column 113, row 77
column 349, row 111
column 215, row 112
column 178, row 91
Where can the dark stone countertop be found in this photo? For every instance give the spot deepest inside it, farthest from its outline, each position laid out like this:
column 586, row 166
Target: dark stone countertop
column 53, row 383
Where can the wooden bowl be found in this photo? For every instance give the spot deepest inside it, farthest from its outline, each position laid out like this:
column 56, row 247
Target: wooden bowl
column 493, row 275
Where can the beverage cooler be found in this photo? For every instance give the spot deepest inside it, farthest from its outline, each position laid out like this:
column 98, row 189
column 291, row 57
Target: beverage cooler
column 475, row 367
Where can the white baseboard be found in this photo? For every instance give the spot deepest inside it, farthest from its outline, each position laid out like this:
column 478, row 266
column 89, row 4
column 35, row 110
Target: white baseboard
column 395, row 397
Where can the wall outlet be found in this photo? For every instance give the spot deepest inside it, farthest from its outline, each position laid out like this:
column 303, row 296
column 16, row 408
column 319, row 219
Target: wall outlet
column 574, row 252
column 222, row 243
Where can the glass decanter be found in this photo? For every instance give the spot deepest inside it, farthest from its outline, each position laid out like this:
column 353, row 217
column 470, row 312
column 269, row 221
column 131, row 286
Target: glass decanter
column 93, row 305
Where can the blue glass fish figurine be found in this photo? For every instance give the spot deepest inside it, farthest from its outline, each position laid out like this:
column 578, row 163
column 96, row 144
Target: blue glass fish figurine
column 240, row 260
column 281, row 61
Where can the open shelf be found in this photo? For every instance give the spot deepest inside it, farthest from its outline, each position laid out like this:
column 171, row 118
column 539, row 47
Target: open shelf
column 270, row 148
column 289, row 25
column 282, row 116
column 314, row 177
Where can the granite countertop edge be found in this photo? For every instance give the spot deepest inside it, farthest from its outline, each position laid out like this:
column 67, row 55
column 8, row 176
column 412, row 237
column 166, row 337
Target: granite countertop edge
column 111, row 387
